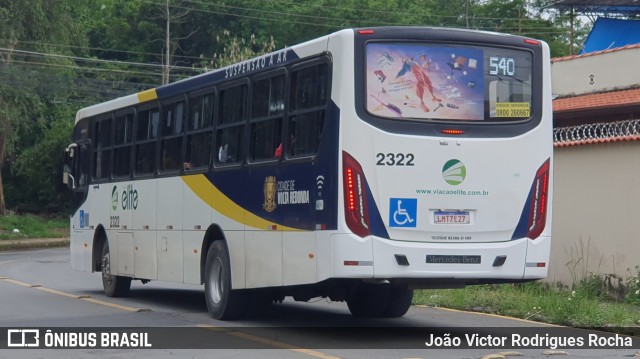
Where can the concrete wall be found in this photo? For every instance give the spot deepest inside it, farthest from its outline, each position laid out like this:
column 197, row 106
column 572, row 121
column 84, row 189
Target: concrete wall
column 596, row 73
column 596, row 210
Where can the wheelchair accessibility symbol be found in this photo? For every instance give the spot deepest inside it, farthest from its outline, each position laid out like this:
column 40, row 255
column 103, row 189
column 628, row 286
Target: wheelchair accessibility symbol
column 403, row 212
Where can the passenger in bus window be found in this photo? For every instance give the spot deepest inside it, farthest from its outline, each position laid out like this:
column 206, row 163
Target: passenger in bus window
column 186, row 165
column 223, row 153
column 292, row 143
column 278, row 152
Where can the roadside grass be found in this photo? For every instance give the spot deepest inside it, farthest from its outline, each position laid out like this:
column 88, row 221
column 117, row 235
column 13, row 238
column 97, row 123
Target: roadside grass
column 587, row 305
column 32, row 226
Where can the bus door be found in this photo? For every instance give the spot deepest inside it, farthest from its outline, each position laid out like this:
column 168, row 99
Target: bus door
column 76, row 176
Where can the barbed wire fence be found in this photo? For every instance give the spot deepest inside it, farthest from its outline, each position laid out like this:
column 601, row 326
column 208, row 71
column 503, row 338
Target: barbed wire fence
column 592, row 132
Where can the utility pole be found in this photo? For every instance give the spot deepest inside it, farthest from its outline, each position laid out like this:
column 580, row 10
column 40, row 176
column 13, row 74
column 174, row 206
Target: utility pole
column 466, row 12
column 166, row 68
column 170, row 42
column 571, row 15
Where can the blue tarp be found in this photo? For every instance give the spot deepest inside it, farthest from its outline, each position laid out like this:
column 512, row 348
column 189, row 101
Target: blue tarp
column 611, row 33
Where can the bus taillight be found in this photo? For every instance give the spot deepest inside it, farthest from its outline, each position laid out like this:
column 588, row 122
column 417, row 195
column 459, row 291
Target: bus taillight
column 355, row 196
column 366, row 32
column 539, row 194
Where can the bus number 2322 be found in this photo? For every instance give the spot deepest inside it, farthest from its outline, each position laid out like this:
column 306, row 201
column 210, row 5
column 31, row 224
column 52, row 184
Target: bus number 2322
column 395, row 159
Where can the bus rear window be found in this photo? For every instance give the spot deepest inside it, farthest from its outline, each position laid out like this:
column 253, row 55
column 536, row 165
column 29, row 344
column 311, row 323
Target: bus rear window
column 422, row 82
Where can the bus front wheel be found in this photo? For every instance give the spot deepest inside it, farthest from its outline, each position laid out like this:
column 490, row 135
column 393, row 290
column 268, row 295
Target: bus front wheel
column 223, row 302
column 114, row 285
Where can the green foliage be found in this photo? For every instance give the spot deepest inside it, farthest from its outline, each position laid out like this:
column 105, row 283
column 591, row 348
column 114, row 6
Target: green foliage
column 238, row 49
column 633, row 287
column 39, row 167
column 43, row 26
column 591, row 287
column 585, row 306
column 31, row 226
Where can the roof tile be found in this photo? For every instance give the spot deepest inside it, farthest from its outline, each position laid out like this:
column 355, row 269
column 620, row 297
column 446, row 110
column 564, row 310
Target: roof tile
column 596, row 101
column 595, row 53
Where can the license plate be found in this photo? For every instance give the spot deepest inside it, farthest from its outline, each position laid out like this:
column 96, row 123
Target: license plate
column 452, row 217
column 442, row 259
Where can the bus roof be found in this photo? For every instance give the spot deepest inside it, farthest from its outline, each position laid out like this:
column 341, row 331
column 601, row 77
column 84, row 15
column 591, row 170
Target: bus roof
column 264, row 62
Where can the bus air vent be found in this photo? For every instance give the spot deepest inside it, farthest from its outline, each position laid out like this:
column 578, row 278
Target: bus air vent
column 401, row 259
column 499, row 261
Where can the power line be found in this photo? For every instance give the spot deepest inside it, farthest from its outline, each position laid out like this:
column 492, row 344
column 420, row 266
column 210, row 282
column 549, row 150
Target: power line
column 86, row 59
column 96, row 69
column 386, row 12
column 104, row 50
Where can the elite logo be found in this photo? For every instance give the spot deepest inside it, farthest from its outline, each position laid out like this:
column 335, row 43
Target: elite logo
column 129, row 198
column 454, row 172
column 114, row 198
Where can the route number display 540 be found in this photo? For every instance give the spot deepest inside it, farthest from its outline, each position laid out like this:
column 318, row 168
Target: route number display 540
column 505, row 66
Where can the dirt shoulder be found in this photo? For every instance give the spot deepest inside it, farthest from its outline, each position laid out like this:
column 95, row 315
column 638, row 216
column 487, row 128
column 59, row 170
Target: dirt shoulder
column 16, row 244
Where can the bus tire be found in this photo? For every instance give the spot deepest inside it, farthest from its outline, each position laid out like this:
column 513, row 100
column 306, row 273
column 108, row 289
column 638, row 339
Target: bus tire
column 399, row 302
column 114, row 285
column 369, row 300
column 223, row 302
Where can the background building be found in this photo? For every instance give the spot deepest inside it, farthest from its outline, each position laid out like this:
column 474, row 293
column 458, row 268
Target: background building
column 596, row 218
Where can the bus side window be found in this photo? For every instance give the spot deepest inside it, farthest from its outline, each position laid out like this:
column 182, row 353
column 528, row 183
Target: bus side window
column 146, row 139
column 171, row 143
column 267, row 117
column 82, row 169
column 122, row 143
column 81, row 160
column 199, row 132
column 231, row 124
column 101, row 149
column 309, row 95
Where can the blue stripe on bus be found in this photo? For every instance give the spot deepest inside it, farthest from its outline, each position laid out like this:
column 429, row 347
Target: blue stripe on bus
column 305, row 196
column 376, row 223
column 259, row 64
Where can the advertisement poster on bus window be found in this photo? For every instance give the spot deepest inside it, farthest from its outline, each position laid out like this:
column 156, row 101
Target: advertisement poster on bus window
column 425, row 81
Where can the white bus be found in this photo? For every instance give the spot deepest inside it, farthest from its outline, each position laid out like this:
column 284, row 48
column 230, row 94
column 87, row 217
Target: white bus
column 358, row 166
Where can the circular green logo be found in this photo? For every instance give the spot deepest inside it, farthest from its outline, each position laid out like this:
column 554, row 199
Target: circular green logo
column 114, row 198
column 454, row 172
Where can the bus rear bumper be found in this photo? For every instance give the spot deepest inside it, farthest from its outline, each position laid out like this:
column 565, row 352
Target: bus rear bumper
column 424, row 264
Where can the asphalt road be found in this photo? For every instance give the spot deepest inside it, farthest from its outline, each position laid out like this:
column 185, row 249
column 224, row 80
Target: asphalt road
column 38, row 289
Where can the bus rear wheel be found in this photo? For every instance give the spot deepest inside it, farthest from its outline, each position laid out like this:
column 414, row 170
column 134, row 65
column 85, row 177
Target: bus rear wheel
column 380, row 301
column 399, row 301
column 114, row 285
column 223, row 302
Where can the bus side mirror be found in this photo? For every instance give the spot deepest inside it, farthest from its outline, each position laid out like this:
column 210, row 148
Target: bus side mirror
column 70, row 150
column 67, row 178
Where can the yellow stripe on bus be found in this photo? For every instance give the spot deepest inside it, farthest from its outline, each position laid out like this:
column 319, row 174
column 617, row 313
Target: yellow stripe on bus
column 147, row 95
column 211, row 195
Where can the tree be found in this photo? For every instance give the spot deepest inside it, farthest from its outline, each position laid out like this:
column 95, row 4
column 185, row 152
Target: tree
column 40, row 166
column 37, row 23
